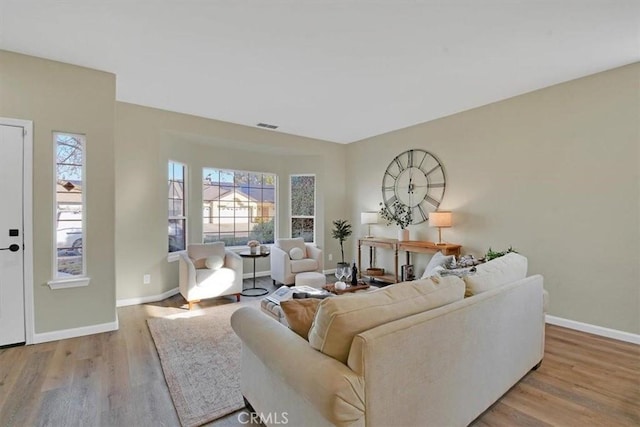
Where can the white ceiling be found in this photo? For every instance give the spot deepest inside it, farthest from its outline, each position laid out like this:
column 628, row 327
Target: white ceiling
column 335, row 70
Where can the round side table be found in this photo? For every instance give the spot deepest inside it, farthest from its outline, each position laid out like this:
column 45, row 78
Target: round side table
column 254, row 291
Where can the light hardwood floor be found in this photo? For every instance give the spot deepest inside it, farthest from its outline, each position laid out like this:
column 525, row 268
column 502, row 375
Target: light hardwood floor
column 115, row 379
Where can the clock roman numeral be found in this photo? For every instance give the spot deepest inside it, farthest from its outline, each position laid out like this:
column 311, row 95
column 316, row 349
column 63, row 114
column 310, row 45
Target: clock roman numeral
column 391, row 200
column 399, row 163
column 424, row 157
column 410, row 158
column 433, row 169
column 420, row 213
column 390, row 174
column 433, row 202
column 390, row 188
column 437, row 185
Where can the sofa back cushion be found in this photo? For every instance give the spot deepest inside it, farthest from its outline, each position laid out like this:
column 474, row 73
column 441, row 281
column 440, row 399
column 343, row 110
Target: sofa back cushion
column 495, row 273
column 288, row 244
column 200, row 252
column 339, row 319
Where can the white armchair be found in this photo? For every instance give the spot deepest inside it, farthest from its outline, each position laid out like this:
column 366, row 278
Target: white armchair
column 284, row 268
column 222, row 277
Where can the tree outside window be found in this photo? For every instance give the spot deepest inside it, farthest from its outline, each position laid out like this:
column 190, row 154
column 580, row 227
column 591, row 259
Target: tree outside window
column 303, row 206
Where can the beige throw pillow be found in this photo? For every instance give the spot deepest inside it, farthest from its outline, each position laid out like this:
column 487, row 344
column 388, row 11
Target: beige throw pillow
column 340, row 319
column 299, row 314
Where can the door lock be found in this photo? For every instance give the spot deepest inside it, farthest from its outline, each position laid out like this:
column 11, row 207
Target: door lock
column 12, row 248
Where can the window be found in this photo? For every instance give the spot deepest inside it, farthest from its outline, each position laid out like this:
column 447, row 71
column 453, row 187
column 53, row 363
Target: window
column 69, row 221
column 303, row 206
column 238, row 206
column 177, row 212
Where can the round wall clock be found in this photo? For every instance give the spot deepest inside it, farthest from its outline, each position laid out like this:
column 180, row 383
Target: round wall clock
column 416, row 179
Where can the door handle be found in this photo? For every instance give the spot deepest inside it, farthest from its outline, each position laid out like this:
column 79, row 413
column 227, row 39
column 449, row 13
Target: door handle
column 12, row 248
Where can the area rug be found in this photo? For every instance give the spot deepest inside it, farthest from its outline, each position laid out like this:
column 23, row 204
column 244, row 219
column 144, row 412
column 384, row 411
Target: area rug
column 200, row 357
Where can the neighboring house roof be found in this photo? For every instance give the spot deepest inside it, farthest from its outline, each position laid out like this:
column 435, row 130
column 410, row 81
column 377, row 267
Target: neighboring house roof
column 175, row 190
column 266, row 193
column 69, row 191
column 217, row 192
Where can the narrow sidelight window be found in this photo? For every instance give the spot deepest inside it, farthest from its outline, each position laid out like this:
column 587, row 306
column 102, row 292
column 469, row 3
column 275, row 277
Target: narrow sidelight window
column 69, row 221
column 303, row 207
column 177, row 207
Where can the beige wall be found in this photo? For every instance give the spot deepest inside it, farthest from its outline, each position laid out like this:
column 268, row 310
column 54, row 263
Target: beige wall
column 62, row 97
column 555, row 173
column 540, row 172
column 147, row 138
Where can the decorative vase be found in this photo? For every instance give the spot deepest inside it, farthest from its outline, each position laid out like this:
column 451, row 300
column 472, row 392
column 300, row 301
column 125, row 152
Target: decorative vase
column 403, row 234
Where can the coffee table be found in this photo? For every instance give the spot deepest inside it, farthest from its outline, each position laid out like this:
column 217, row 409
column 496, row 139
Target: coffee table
column 273, row 309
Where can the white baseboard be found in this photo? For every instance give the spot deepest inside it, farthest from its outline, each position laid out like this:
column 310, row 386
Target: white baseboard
column 75, row 332
column 331, row 271
column 150, row 298
column 593, row 329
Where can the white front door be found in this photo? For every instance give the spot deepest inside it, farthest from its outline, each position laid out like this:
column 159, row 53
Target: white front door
column 12, row 308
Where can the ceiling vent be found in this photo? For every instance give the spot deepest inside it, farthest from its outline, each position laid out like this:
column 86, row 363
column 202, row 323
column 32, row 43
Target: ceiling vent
column 267, row 125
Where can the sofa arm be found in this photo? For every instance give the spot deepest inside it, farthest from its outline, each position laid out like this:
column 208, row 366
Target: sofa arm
column 234, row 261
column 315, row 253
column 280, row 264
column 187, row 274
column 330, row 386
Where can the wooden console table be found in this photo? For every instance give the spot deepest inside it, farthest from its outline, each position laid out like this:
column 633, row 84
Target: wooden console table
column 410, row 246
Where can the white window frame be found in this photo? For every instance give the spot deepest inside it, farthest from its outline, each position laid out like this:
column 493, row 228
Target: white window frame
column 315, row 205
column 237, row 248
column 173, row 256
column 81, row 280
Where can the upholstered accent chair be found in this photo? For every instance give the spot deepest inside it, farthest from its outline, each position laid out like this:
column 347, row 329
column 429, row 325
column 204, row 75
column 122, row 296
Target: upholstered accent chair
column 292, row 256
column 209, row 270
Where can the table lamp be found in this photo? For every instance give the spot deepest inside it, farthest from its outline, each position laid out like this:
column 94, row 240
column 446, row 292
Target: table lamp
column 369, row 218
column 440, row 219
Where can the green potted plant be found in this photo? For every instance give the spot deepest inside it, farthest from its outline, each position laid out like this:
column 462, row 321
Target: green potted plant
column 399, row 214
column 491, row 254
column 341, row 231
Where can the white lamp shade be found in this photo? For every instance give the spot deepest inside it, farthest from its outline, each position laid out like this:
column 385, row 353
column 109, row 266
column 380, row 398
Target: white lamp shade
column 440, row 219
column 369, row 218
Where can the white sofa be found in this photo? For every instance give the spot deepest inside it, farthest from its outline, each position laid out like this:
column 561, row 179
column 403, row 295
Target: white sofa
column 284, row 268
column 197, row 282
column 438, row 367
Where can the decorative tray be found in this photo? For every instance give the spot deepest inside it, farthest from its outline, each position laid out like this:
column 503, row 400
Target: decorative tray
column 331, row 288
column 374, row 271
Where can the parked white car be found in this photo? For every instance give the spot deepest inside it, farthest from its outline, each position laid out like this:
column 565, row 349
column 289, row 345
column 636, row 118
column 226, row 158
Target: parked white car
column 69, row 233
column 69, row 239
